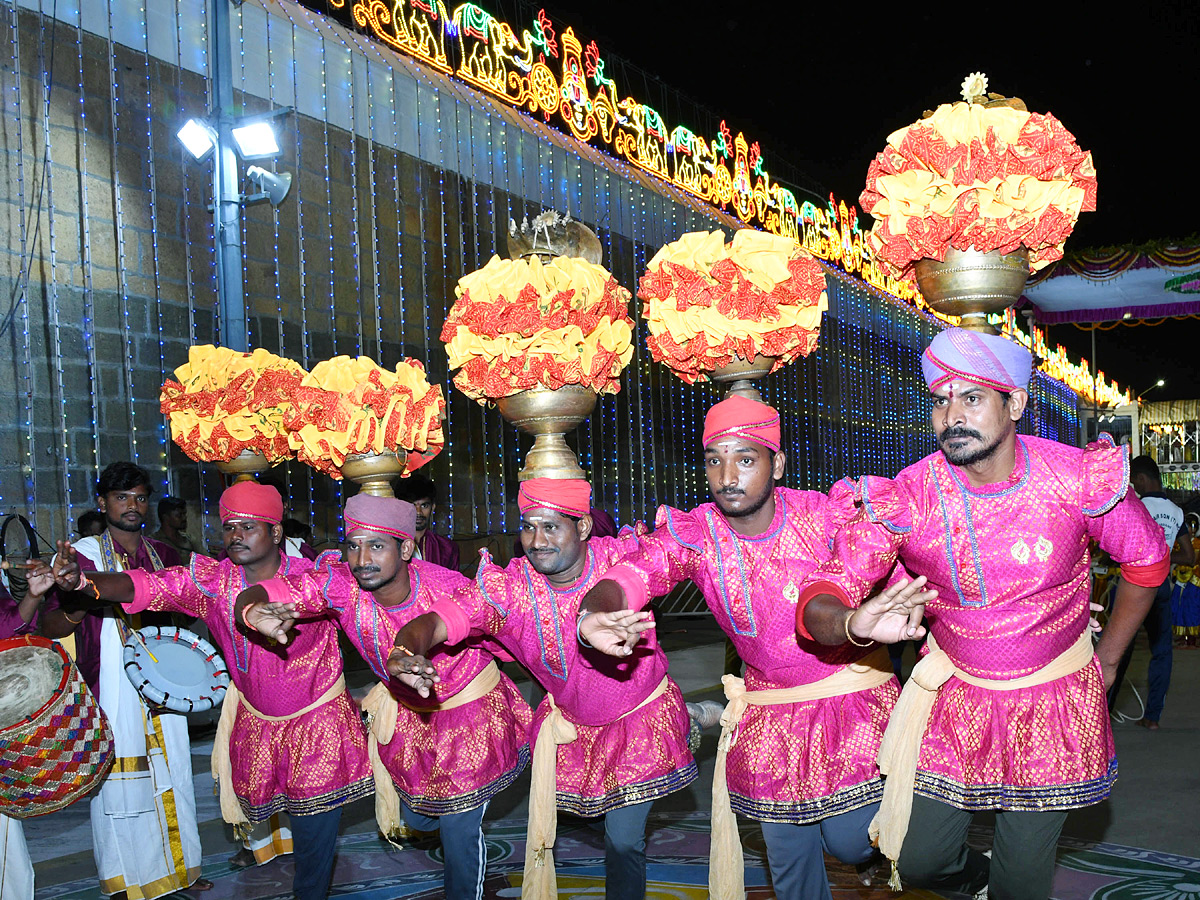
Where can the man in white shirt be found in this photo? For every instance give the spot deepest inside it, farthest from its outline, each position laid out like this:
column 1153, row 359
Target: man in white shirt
column 1145, row 478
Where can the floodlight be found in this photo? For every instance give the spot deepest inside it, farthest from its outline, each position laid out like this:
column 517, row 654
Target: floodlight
column 272, row 186
column 256, row 140
column 198, row 137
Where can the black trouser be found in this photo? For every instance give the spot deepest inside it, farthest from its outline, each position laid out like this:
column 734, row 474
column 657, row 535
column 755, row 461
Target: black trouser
column 314, row 839
column 935, row 853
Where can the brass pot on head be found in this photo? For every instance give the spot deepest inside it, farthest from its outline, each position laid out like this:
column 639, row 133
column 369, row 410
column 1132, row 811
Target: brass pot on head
column 373, row 472
column 244, row 466
column 548, row 415
column 972, row 284
column 740, row 374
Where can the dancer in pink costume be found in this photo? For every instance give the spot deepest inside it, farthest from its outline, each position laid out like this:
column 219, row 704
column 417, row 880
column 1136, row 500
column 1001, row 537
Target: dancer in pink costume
column 290, row 737
column 445, row 757
column 611, row 735
column 1006, row 709
column 802, row 731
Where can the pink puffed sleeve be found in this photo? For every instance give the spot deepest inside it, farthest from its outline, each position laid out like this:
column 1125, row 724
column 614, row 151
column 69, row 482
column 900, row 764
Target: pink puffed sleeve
column 329, row 585
column 1117, row 519
column 174, row 589
column 873, row 516
column 661, row 559
column 481, row 608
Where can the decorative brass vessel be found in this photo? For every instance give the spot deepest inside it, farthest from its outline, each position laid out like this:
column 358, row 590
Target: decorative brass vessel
column 373, row 472
column 244, row 466
column 740, row 376
column 972, row 284
column 548, row 415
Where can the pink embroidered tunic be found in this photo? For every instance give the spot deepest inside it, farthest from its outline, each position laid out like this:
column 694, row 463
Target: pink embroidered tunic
column 305, row 765
column 623, row 754
column 1010, row 564
column 444, row 761
column 795, row 762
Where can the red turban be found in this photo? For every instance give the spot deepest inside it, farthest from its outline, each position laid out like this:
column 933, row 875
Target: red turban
column 251, row 500
column 742, row 417
column 986, row 359
column 384, row 515
column 569, row 496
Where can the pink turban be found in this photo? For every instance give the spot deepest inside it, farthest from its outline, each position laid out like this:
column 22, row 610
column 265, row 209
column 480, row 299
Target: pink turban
column 742, row 417
column 251, row 500
column 569, row 496
column 986, row 359
column 383, row 515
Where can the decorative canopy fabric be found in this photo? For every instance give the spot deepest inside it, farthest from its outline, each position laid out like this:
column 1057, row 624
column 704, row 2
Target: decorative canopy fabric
column 1170, row 412
column 1103, row 286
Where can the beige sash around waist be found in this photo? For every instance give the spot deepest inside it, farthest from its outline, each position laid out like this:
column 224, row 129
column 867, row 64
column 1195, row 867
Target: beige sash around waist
column 539, row 881
column 901, row 746
column 726, row 867
column 222, row 767
column 382, row 708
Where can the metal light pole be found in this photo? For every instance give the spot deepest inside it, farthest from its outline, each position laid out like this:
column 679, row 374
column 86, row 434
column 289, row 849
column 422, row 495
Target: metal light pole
column 227, row 207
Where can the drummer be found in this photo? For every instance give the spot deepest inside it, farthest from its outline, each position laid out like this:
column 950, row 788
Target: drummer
column 150, row 789
column 290, row 737
column 444, row 758
column 16, row 869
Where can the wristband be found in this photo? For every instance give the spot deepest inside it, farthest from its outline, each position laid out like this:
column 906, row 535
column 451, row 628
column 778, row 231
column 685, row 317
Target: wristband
column 850, row 637
column 403, row 649
column 583, row 614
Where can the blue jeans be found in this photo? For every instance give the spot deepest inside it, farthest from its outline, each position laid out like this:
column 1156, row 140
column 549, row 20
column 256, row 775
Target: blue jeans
column 794, row 852
column 1158, row 630
column 464, row 852
column 314, row 839
column 625, row 852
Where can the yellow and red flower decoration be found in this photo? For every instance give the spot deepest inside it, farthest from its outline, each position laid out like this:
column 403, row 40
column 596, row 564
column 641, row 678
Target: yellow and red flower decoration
column 349, row 405
column 707, row 301
column 519, row 323
column 223, row 402
column 988, row 176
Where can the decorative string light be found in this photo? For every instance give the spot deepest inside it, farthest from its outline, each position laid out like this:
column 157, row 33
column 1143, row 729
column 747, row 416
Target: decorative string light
column 854, row 406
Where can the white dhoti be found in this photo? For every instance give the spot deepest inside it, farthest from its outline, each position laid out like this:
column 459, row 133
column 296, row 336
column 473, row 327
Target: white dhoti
column 144, row 832
column 270, row 839
column 16, row 870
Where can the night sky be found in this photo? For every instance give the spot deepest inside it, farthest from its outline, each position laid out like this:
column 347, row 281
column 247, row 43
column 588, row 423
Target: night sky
column 821, row 87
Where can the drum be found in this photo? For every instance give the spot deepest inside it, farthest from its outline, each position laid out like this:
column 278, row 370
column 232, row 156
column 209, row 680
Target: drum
column 175, row 668
column 55, row 743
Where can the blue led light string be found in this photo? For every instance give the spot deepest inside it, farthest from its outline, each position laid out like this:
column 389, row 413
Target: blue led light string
column 26, row 245
column 151, row 162
column 299, row 200
column 119, row 227
column 56, row 333
column 373, row 149
column 87, row 325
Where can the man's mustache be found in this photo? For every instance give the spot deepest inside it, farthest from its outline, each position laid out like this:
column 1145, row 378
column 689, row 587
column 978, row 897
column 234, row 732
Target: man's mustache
column 730, row 491
column 959, row 431
column 365, row 570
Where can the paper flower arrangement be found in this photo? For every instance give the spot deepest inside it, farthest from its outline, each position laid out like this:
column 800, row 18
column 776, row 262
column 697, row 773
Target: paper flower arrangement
column 707, row 301
column 521, row 323
column 352, row 405
column 984, row 173
column 224, row 402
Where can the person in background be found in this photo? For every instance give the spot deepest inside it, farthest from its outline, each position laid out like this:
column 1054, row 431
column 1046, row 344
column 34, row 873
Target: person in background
column 298, row 538
column 16, row 869
column 90, row 524
column 421, row 492
column 1145, row 479
column 1185, row 597
column 172, row 527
